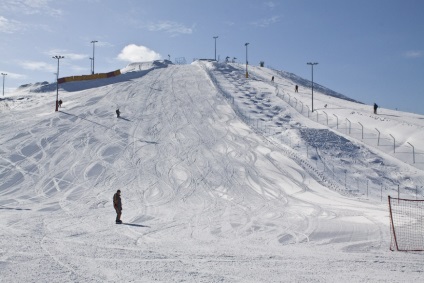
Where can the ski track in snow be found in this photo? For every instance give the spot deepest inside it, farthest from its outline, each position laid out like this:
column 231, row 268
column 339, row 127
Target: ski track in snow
column 215, row 182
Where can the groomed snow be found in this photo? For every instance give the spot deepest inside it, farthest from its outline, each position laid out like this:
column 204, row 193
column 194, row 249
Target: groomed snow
column 223, row 179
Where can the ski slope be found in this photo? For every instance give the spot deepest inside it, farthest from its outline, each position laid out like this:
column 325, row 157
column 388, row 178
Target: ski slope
column 223, row 179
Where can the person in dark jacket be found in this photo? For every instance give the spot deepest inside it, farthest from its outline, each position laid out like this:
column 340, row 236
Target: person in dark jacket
column 118, row 113
column 375, row 108
column 118, row 206
column 296, row 88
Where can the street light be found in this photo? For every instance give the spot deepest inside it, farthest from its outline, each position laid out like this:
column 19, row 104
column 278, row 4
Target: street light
column 247, row 74
column 215, row 37
column 58, row 57
column 91, row 65
column 94, row 41
column 312, row 65
column 4, row 75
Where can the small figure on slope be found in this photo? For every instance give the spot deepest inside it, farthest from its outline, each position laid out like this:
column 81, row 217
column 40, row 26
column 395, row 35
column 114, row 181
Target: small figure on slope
column 296, row 88
column 272, row 79
column 375, row 108
column 118, row 113
column 118, row 206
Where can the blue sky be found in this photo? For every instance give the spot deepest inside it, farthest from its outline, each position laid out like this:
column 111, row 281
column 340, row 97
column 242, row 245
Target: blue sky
column 369, row 50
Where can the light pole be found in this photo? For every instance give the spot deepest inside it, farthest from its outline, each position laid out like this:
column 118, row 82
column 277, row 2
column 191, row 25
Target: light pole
column 58, row 57
column 4, row 75
column 91, row 65
column 247, row 74
column 94, row 41
column 215, row 37
column 312, row 65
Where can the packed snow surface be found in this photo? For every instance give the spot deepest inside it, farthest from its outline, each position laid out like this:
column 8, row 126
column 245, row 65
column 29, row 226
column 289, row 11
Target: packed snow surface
column 224, row 179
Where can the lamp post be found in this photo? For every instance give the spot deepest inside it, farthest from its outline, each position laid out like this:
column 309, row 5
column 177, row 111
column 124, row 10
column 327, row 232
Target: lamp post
column 215, row 37
column 247, row 74
column 91, row 65
column 58, row 57
column 312, row 65
column 94, row 41
column 4, row 75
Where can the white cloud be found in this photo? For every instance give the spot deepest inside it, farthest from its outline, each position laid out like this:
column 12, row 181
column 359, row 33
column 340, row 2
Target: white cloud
column 413, row 54
column 171, row 27
column 138, row 53
column 67, row 54
column 266, row 22
column 10, row 26
column 38, row 66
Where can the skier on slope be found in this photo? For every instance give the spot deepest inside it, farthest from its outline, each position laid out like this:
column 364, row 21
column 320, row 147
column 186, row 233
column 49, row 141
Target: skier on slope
column 118, row 206
column 375, row 108
column 118, row 113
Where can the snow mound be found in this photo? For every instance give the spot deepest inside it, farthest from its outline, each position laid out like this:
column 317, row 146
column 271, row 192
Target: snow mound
column 143, row 66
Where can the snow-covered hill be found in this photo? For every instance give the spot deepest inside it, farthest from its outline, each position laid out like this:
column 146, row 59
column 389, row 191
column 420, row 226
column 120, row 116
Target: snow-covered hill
column 223, row 179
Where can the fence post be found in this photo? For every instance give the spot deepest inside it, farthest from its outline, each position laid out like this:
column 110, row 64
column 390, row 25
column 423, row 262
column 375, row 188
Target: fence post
column 326, row 115
column 413, row 152
column 337, row 119
column 362, row 129
column 394, row 143
column 378, row 139
column 350, row 124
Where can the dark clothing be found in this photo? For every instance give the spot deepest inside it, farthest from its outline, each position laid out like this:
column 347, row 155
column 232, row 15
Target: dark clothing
column 60, row 103
column 375, row 108
column 272, row 79
column 117, row 113
column 118, row 206
column 296, row 88
column 118, row 215
column 117, row 201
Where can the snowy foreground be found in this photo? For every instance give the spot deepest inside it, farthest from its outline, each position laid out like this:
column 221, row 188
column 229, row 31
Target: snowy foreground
column 223, row 179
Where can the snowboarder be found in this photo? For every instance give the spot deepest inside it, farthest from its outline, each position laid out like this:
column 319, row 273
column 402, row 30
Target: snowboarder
column 118, row 113
column 60, row 103
column 375, row 108
column 296, row 88
column 118, row 206
column 272, row 79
